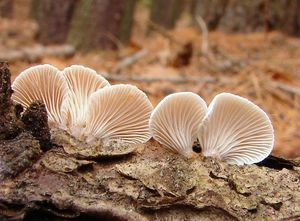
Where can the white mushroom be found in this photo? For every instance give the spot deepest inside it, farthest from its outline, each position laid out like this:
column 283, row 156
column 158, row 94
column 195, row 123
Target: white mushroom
column 82, row 82
column 45, row 83
column 236, row 130
column 119, row 112
column 175, row 121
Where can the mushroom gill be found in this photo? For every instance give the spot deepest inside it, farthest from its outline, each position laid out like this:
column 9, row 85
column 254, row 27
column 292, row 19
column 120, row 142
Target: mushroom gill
column 45, row 83
column 82, row 82
column 119, row 112
column 83, row 103
column 236, row 131
column 175, row 121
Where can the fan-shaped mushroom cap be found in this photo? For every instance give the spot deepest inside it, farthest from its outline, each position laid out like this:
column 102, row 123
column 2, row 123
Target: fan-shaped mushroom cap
column 45, row 83
column 236, row 130
column 120, row 112
column 82, row 82
column 176, row 119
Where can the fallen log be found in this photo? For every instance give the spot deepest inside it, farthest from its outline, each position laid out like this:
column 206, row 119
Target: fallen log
column 151, row 183
column 117, row 77
column 35, row 53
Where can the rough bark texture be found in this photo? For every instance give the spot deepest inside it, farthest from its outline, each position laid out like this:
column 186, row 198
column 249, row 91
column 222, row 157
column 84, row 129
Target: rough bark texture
column 8, row 123
column 19, row 148
column 6, row 8
column 103, row 24
column 150, row 183
column 248, row 15
column 54, row 19
column 165, row 13
column 35, row 120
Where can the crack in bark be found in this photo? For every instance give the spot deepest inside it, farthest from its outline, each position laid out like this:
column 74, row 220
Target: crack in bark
column 231, row 184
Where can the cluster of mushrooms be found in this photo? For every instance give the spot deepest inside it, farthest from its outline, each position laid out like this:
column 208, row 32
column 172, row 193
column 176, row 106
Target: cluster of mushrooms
column 83, row 103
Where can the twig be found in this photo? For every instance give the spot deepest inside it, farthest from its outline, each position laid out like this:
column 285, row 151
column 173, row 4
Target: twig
column 286, row 87
column 116, row 77
column 130, row 60
column 227, row 63
column 257, row 87
column 115, row 40
column 204, row 30
column 163, row 32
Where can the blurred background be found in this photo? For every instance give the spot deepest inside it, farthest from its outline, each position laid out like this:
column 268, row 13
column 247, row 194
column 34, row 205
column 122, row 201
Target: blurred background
column 250, row 48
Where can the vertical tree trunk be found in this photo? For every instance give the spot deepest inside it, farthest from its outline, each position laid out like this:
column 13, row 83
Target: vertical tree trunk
column 211, row 11
column 102, row 23
column 292, row 24
column 6, row 8
column 21, row 10
column 34, row 9
column 248, row 15
column 166, row 13
column 54, row 19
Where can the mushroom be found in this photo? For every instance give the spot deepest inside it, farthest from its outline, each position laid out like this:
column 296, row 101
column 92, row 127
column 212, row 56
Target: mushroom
column 82, row 82
column 45, row 83
column 236, row 131
column 175, row 121
column 119, row 112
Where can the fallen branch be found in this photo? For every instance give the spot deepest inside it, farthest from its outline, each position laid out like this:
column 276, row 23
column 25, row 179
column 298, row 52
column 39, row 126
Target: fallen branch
column 286, row 87
column 227, row 61
column 152, row 184
column 116, row 77
column 36, row 53
column 204, row 30
column 124, row 63
column 163, row 32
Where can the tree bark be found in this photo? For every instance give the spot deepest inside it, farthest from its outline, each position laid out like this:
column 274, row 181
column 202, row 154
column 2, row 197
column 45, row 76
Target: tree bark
column 54, row 19
column 165, row 13
column 6, row 8
column 102, row 24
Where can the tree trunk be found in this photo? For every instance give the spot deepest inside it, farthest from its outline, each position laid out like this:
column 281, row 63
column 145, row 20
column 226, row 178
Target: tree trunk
column 165, row 13
column 6, row 8
column 103, row 24
column 292, row 24
column 211, row 11
column 54, row 19
column 34, row 9
column 243, row 16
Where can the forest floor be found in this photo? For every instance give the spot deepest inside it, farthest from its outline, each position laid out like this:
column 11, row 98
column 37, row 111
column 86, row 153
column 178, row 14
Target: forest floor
column 263, row 67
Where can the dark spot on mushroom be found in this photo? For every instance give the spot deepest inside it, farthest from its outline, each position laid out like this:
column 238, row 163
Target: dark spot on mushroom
column 197, row 148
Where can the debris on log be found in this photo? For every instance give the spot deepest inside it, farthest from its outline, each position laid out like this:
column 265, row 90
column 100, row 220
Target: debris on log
column 36, row 120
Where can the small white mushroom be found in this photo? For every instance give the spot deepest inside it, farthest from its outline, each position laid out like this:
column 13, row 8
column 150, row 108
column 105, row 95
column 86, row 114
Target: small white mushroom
column 45, row 83
column 82, row 82
column 175, row 121
column 119, row 112
column 236, row 130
